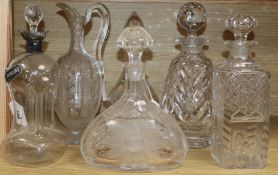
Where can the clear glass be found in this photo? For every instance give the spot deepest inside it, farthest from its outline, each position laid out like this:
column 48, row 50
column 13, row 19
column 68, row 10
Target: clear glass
column 118, row 90
column 34, row 140
column 79, row 76
column 134, row 134
column 187, row 91
column 240, row 103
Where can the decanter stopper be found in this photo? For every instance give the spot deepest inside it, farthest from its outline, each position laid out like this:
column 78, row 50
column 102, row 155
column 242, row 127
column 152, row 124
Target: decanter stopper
column 134, row 39
column 192, row 17
column 241, row 26
column 33, row 15
column 134, row 19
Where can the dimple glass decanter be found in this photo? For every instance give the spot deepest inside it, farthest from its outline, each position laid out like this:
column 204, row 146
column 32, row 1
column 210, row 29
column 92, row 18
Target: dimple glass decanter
column 134, row 134
column 118, row 90
column 80, row 77
column 240, row 103
column 187, row 92
column 33, row 139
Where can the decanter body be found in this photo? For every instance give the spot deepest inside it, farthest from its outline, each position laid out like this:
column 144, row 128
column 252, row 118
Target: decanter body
column 79, row 76
column 240, row 103
column 187, row 92
column 134, row 134
column 118, row 90
column 34, row 139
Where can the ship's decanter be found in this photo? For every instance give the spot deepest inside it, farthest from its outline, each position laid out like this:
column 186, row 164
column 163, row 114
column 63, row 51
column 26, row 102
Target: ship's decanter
column 134, row 133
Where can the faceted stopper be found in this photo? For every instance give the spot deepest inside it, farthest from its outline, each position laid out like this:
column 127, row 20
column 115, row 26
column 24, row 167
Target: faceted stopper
column 33, row 15
column 134, row 19
column 134, row 36
column 192, row 17
column 241, row 26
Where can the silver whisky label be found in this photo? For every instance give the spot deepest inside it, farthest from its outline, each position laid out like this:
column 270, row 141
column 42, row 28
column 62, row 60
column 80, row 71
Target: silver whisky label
column 13, row 72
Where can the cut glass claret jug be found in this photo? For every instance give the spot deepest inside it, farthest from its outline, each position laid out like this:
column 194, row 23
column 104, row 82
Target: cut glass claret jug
column 118, row 90
column 34, row 139
column 134, row 134
column 187, row 92
column 80, row 76
column 240, row 103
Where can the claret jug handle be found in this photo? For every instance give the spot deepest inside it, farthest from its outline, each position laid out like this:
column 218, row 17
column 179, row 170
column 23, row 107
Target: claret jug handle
column 102, row 11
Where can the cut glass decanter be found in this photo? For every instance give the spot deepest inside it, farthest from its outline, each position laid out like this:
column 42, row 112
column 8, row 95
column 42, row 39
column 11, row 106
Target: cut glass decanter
column 187, row 92
column 240, row 103
column 34, row 139
column 134, row 134
column 118, row 90
column 79, row 76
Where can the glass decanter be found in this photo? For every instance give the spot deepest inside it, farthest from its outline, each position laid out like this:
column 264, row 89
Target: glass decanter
column 240, row 103
column 187, row 92
column 33, row 139
column 79, row 76
column 134, row 134
column 119, row 88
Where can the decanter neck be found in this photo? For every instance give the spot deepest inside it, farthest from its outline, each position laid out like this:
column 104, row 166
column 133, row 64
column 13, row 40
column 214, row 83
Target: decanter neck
column 240, row 49
column 135, row 76
column 192, row 44
column 33, row 41
column 135, row 89
column 33, row 46
column 77, row 39
column 134, row 56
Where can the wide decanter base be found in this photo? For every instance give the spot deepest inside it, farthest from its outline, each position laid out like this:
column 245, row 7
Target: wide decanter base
column 73, row 137
column 133, row 144
column 138, row 167
column 33, row 148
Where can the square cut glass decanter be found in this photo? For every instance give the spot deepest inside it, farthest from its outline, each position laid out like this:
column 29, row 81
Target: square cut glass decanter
column 134, row 134
column 34, row 138
column 187, row 92
column 240, row 103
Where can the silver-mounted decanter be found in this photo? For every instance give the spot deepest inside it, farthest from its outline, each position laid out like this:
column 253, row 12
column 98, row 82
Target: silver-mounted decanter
column 34, row 139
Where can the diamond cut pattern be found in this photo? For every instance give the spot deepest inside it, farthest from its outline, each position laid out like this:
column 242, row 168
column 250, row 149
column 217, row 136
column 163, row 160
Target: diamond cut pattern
column 246, row 123
column 188, row 92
